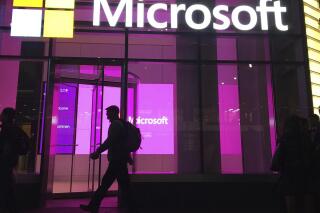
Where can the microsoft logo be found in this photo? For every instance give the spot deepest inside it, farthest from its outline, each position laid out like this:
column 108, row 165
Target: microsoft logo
column 54, row 20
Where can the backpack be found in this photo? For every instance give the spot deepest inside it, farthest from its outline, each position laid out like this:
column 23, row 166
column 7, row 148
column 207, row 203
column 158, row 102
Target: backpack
column 133, row 137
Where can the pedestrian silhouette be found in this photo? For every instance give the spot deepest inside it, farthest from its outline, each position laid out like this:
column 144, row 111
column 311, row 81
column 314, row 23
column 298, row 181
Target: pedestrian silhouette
column 13, row 142
column 293, row 164
column 118, row 156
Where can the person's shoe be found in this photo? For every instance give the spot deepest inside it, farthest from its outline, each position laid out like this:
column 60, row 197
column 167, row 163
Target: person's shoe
column 88, row 208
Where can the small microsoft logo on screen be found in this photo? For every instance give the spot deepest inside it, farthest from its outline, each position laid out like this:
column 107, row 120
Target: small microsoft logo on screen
column 54, row 20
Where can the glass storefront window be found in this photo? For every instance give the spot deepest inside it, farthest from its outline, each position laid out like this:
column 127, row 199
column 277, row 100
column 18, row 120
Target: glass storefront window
column 22, row 88
column 91, row 45
column 155, row 115
column 80, row 125
column 229, row 116
column 152, row 46
column 206, row 102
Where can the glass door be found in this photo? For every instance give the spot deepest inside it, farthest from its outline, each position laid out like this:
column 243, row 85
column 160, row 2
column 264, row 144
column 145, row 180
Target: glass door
column 81, row 93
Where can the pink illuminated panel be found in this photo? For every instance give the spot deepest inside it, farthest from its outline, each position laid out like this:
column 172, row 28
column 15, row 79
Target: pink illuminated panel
column 272, row 123
column 85, row 107
column 229, row 111
column 155, row 118
column 111, row 96
column 84, row 116
column 8, row 81
column 154, row 115
column 63, row 118
column 113, row 71
column 87, row 69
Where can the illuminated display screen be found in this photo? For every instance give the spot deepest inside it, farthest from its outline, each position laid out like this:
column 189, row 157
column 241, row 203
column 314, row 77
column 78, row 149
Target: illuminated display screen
column 63, row 118
column 155, row 117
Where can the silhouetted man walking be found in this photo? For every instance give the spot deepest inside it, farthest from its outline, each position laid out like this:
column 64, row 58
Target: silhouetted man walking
column 118, row 157
column 13, row 142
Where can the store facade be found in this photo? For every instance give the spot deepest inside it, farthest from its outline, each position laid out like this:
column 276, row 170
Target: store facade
column 208, row 84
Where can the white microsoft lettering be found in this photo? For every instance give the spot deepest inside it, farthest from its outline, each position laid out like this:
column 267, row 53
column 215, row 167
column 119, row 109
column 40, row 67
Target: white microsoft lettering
column 277, row 12
column 224, row 19
column 149, row 121
column 140, row 16
column 175, row 9
column 206, row 17
column 219, row 13
column 151, row 15
column 276, row 9
column 112, row 18
column 253, row 18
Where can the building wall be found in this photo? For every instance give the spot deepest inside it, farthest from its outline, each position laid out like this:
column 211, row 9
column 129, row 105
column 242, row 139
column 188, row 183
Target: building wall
column 231, row 90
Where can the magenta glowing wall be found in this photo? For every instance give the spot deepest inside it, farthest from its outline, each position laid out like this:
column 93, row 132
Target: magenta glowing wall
column 84, row 116
column 8, row 83
column 229, row 112
column 229, row 108
column 155, row 117
column 63, row 118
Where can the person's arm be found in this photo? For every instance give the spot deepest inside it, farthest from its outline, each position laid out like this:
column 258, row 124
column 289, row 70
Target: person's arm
column 103, row 147
column 113, row 134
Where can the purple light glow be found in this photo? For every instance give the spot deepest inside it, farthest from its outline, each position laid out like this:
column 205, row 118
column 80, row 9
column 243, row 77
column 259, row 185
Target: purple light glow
column 229, row 109
column 157, row 138
column 272, row 123
column 84, row 119
column 112, row 71
column 87, row 69
column 63, row 120
column 111, row 96
column 9, row 83
column 54, row 122
column 230, row 134
column 154, row 117
column 226, row 49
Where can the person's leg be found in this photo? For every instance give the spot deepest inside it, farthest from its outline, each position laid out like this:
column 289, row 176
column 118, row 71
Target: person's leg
column 107, row 180
column 125, row 187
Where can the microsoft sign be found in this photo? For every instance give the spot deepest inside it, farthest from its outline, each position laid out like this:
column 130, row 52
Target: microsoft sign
column 220, row 13
column 55, row 18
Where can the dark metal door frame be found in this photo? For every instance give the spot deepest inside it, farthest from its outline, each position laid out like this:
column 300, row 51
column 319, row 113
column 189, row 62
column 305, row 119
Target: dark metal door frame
column 98, row 82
